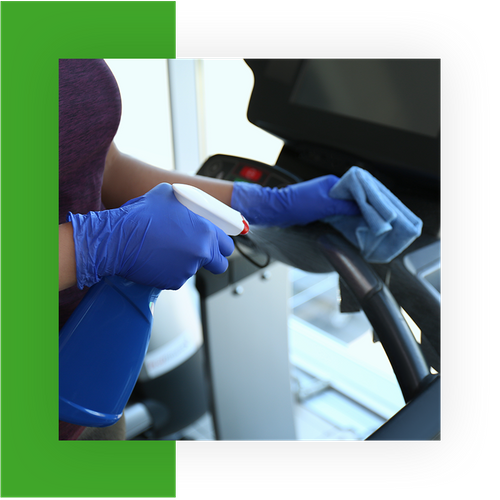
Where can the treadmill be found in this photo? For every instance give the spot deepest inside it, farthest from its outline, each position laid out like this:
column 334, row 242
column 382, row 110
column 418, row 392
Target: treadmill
column 380, row 115
column 383, row 115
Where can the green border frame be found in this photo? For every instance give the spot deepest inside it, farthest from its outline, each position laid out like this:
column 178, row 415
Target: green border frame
column 34, row 36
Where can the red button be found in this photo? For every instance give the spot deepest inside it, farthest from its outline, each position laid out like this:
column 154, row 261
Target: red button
column 250, row 173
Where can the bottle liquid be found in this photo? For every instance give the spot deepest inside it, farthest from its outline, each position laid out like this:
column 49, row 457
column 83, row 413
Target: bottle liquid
column 103, row 344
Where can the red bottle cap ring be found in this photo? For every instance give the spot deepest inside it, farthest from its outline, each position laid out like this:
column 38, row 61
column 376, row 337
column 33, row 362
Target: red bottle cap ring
column 246, row 227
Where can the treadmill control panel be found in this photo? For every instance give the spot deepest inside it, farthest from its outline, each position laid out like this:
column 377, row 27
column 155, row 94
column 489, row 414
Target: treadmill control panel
column 233, row 168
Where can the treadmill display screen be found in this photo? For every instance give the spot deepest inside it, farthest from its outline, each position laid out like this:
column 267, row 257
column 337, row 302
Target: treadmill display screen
column 399, row 93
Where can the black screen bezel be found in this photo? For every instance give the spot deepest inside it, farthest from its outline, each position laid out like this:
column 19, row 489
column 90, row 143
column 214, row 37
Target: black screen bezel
column 271, row 109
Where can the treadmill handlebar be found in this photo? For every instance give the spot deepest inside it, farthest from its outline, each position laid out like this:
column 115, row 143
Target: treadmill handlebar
column 383, row 312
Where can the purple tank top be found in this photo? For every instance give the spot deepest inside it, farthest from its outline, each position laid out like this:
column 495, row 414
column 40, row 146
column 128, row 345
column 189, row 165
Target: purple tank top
column 89, row 115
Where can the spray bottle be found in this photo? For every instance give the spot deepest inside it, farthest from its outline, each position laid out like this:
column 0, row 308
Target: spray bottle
column 103, row 344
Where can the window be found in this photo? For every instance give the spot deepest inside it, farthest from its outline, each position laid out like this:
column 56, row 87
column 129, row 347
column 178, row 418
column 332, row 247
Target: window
column 145, row 130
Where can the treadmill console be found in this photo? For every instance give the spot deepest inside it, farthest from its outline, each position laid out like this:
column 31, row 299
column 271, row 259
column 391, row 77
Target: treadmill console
column 233, row 168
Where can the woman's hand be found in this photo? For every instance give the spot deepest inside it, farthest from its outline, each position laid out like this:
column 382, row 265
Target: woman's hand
column 152, row 239
column 297, row 204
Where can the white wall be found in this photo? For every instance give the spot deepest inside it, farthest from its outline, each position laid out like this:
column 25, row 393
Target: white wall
column 226, row 88
column 220, row 92
column 145, row 128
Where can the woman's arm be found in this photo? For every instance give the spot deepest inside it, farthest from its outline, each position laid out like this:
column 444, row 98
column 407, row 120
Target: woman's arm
column 67, row 263
column 126, row 177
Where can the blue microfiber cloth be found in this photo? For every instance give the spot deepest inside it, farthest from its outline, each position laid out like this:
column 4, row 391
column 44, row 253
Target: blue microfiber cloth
column 385, row 227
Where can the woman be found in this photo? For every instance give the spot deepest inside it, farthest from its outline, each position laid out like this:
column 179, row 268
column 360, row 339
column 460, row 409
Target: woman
column 118, row 215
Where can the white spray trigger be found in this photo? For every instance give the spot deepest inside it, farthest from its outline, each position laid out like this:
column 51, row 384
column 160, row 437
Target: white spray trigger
column 201, row 203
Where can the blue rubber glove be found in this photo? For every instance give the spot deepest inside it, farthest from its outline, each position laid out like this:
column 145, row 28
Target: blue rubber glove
column 153, row 240
column 297, row 204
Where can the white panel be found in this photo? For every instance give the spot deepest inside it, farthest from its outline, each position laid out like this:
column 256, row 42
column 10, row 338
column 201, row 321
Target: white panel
column 182, row 80
column 247, row 340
